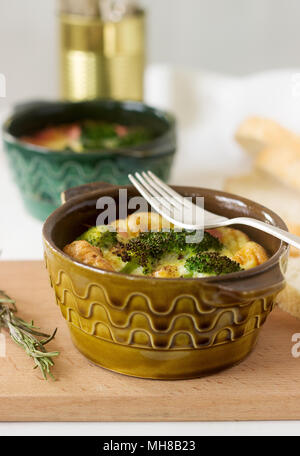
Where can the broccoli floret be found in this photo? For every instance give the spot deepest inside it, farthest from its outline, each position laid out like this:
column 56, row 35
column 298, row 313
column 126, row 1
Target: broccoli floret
column 148, row 248
column 100, row 237
column 211, row 263
column 108, row 239
column 96, row 135
column 92, row 236
column 129, row 267
column 208, row 242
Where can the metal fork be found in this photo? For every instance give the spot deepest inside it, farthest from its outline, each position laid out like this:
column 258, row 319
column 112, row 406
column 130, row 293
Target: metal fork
column 183, row 213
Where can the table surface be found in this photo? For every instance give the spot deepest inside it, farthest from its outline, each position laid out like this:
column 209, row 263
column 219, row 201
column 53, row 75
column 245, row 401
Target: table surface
column 252, row 390
column 208, row 107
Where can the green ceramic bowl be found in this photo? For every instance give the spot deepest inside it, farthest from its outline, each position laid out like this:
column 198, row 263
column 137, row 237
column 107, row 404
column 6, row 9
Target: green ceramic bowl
column 42, row 174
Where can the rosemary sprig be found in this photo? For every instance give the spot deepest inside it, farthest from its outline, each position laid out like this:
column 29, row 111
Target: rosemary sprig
column 27, row 335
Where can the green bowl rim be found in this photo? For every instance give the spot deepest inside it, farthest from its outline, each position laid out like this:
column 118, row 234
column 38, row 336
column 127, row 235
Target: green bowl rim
column 133, row 152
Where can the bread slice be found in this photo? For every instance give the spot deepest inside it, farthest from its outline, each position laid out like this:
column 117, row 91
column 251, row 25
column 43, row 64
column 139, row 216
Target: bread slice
column 266, row 190
column 282, row 163
column 256, row 133
column 289, row 298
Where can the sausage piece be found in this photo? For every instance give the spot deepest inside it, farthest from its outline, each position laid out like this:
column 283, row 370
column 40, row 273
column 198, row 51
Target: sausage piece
column 251, row 255
column 86, row 253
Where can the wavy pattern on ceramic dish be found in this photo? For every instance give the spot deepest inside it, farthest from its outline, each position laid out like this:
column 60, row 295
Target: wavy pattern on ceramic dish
column 100, row 293
column 140, row 326
column 43, row 178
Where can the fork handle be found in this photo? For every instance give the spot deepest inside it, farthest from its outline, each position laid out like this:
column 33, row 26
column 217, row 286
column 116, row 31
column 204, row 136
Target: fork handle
column 285, row 236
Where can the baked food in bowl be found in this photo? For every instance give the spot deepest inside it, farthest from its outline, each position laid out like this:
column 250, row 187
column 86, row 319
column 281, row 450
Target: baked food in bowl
column 162, row 328
column 145, row 244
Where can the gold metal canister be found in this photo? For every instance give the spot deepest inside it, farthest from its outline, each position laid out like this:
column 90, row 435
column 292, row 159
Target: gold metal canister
column 102, row 59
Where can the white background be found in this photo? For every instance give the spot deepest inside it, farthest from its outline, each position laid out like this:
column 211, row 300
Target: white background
column 236, row 37
column 228, row 36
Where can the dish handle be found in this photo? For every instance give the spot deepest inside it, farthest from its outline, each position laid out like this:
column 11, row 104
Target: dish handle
column 258, row 285
column 81, row 189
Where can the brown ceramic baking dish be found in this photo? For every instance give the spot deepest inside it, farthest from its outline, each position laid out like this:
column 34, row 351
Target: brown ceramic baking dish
column 154, row 327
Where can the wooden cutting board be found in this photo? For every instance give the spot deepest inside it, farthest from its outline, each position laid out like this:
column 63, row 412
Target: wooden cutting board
column 266, row 386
